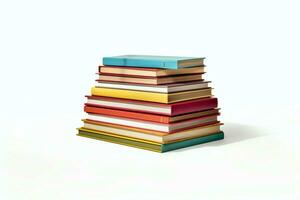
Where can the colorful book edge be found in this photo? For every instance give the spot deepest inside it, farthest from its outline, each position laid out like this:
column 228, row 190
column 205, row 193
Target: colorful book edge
column 151, row 146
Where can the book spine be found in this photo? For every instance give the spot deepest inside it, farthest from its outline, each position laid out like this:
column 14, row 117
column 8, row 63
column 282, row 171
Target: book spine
column 192, row 142
column 114, row 61
column 120, row 140
column 204, row 104
column 126, row 114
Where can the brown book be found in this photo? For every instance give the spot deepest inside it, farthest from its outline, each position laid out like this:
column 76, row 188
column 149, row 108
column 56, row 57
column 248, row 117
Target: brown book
column 148, row 72
column 151, row 80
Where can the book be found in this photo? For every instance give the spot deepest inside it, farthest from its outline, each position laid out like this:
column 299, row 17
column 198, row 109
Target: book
column 144, row 130
column 172, row 109
column 147, row 116
column 148, row 72
column 162, row 127
column 168, row 62
column 167, row 88
column 147, row 145
column 151, row 80
column 154, row 136
column 152, row 96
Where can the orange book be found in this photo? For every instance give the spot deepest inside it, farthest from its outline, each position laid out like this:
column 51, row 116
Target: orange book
column 146, row 116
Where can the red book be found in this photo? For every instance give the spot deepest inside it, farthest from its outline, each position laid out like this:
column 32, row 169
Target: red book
column 148, row 117
column 154, row 108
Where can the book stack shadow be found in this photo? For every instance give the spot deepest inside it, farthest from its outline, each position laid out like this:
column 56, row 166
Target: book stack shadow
column 157, row 103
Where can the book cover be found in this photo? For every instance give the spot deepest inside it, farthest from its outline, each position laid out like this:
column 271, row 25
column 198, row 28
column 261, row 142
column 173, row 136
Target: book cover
column 168, row 62
column 147, row 145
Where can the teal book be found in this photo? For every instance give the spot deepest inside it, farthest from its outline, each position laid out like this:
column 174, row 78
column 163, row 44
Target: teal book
column 166, row 62
column 148, row 145
column 192, row 142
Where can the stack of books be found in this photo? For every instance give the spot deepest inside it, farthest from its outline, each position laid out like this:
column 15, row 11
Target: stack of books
column 158, row 103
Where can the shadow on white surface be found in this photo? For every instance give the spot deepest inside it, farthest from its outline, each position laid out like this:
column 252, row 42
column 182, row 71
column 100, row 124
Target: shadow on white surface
column 234, row 133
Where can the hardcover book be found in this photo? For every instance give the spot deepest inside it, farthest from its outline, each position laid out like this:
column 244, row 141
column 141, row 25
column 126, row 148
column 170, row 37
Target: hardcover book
column 147, row 116
column 151, row 80
column 167, row 88
column 148, row 72
column 148, row 145
column 145, row 130
column 172, row 109
column 168, row 62
column 154, row 136
column 152, row 96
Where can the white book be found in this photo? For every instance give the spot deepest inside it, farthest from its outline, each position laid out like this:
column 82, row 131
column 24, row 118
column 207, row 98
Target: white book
column 168, row 88
column 152, row 125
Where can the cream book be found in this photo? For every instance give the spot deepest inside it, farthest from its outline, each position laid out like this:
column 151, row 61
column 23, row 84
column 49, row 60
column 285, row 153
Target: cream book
column 166, row 138
column 150, row 80
column 168, row 88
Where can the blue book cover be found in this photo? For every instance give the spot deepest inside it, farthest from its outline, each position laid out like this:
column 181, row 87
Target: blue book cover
column 167, row 62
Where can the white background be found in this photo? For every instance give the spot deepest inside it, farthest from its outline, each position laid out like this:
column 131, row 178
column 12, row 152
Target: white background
column 49, row 53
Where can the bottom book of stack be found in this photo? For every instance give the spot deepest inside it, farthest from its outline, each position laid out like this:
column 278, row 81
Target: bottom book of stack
column 150, row 140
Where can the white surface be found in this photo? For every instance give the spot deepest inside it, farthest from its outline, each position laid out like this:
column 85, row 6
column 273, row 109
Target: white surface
column 50, row 52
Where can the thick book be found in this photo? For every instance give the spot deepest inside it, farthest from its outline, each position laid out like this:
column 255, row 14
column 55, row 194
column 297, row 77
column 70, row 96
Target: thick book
column 151, row 80
column 167, row 88
column 152, row 96
column 153, row 135
column 162, row 127
column 148, row 116
column 148, row 72
column 172, row 109
column 147, row 145
column 168, row 62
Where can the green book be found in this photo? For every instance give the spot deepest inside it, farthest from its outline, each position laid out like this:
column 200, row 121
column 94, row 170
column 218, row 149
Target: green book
column 148, row 145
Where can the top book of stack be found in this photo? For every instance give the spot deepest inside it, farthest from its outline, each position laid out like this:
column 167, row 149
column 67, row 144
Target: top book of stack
column 165, row 62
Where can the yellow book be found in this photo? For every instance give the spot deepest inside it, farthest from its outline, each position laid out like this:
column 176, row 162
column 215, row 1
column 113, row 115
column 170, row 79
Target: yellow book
column 152, row 96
